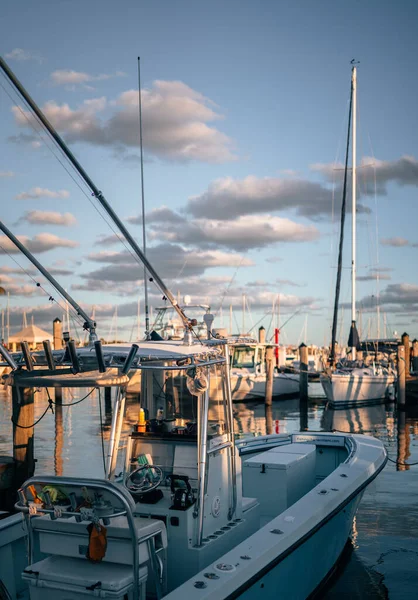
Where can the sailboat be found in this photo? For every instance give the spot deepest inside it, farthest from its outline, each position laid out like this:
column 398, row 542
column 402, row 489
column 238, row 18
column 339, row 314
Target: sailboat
column 194, row 514
column 353, row 383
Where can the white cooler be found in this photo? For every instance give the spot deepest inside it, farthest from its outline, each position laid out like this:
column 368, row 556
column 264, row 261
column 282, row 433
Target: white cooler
column 280, row 476
column 62, row 578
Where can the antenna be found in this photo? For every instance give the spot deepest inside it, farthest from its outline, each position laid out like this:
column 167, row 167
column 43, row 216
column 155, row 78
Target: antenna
column 144, row 235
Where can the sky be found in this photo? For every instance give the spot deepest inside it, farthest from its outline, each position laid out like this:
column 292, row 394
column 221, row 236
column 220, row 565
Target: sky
column 244, row 111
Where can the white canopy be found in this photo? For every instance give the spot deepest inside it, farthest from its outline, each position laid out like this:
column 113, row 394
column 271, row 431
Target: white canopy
column 31, row 334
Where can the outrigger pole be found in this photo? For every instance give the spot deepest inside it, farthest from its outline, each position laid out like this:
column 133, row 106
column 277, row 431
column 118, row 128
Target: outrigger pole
column 89, row 324
column 95, row 192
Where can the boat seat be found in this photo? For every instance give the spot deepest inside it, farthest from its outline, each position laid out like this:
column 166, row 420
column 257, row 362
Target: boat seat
column 248, row 503
column 67, row 537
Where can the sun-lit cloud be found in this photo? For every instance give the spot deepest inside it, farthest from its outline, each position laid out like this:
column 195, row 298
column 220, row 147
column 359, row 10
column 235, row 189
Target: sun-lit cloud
column 71, row 78
column 227, row 198
column 38, row 192
column 374, row 174
column 39, row 243
column 42, row 217
column 242, row 233
column 176, row 123
column 7, row 174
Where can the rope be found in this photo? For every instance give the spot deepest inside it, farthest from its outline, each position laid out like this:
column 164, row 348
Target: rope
column 71, row 403
column 36, row 422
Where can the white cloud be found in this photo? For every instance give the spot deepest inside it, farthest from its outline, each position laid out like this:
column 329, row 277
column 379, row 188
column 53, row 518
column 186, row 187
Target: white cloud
column 38, row 192
column 41, row 217
column 227, row 198
column 242, row 233
column 374, row 174
column 71, row 78
column 7, row 174
column 21, row 55
column 395, row 242
column 176, row 123
column 39, row 243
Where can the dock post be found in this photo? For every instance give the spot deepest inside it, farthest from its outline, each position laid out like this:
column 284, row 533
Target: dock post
column 262, row 335
column 415, row 356
column 303, row 372
column 405, row 342
column 23, row 442
column 57, row 333
column 269, row 419
column 401, row 376
column 269, row 375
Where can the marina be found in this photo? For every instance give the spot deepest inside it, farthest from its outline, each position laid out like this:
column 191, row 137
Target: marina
column 207, row 229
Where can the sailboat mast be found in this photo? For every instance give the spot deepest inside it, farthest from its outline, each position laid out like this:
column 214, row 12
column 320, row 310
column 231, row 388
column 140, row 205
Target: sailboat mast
column 354, row 199
column 144, row 236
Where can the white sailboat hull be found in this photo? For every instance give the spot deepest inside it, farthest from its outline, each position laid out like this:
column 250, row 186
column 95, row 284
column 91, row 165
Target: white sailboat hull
column 247, row 386
column 355, row 389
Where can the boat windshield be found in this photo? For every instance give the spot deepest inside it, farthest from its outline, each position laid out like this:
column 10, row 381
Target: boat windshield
column 243, row 358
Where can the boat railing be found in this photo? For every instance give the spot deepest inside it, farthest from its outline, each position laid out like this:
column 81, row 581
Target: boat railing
column 110, row 501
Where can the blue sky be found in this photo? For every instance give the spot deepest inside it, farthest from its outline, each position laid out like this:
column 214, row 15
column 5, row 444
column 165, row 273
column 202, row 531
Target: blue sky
column 241, row 103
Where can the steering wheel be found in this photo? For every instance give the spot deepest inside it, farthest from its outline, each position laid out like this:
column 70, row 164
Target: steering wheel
column 144, row 479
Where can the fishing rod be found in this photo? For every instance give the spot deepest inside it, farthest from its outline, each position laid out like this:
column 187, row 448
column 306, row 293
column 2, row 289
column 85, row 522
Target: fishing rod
column 95, row 192
column 89, row 324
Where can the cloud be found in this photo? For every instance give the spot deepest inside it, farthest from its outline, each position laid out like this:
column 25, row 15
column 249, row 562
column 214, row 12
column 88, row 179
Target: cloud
column 397, row 242
column 7, row 174
column 290, row 283
column 41, row 217
column 396, row 298
column 108, row 240
column 170, row 260
column 72, row 78
column 273, row 259
column 242, row 233
column 403, row 171
column 22, row 55
column 227, row 198
column 373, row 276
column 176, row 123
column 39, row 243
column 162, row 214
column 38, row 192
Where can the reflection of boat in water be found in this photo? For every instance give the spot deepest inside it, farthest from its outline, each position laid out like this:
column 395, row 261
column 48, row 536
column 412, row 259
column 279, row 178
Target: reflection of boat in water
column 248, row 373
column 359, row 419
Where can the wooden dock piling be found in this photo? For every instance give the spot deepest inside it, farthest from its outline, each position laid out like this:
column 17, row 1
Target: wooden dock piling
column 57, row 333
column 269, row 375
column 415, row 357
column 23, row 432
column 401, row 376
column 405, row 342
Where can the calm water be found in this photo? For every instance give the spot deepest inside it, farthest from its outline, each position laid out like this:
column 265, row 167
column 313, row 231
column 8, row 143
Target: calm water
column 383, row 562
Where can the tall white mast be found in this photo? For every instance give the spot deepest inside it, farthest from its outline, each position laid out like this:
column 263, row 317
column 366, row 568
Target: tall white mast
column 353, row 216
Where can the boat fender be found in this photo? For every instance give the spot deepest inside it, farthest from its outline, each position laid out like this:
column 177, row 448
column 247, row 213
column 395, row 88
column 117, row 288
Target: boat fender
column 97, row 542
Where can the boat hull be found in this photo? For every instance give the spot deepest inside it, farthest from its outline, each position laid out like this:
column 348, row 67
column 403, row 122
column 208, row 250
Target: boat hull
column 356, row 390
column 304, row 558
column 249, row 386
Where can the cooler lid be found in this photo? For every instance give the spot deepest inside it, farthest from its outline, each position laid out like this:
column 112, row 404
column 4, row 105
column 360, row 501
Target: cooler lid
column 82, row 573
column 274, row 460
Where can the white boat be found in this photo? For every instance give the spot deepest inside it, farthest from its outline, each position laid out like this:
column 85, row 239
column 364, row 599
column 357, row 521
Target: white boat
column 243, row 516
column 248, row 373
column 359, row 384
column 354, row 387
